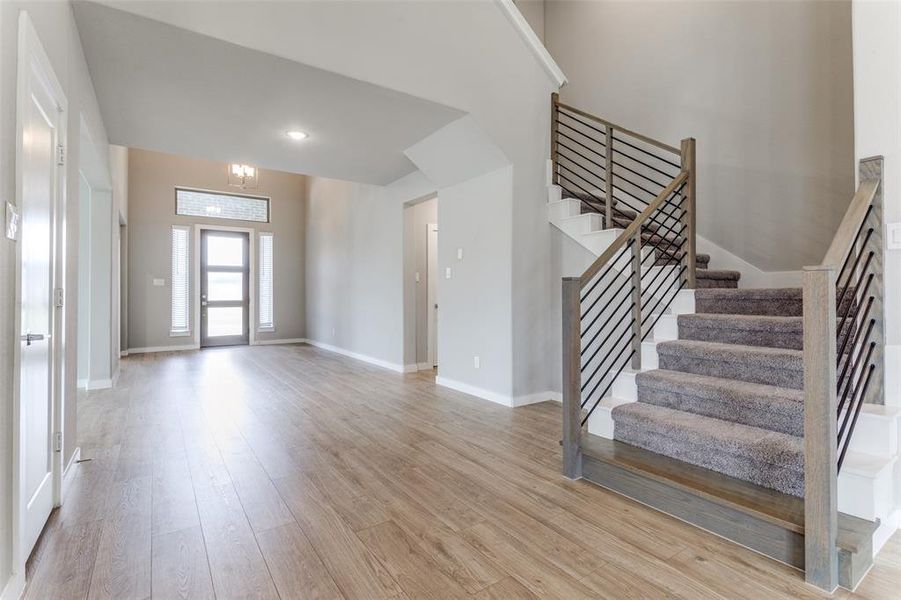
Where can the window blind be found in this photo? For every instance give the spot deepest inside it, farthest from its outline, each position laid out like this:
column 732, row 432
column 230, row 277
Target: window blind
column 267, row 319
column 180, row 281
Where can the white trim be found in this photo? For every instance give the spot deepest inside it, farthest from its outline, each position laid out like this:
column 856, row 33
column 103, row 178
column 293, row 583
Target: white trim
column 537, row 397
column 472, row 390
column 369, row 359
column 76, row 456
column 123, row 353
column 281, row 341
column 31, row 50
column 82, row 384
column 528, row 35
column 151, row 349
column 15, row 587
column 424, row 366
column 751, row 276
column 504, row 399
column 98, row 384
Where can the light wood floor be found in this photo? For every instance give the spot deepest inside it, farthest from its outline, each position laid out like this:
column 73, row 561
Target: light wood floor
column 287, row 471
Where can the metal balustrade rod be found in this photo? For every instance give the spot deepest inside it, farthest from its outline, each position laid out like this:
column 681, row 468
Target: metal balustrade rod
column 636, row 300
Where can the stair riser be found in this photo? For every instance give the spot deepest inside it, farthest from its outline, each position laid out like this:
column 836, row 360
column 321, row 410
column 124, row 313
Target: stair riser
column 753, row 371
column 780, row 478
column 727, row 284
column 739, row 306
column 869, row 498
column 745, row 337
column 786, row 417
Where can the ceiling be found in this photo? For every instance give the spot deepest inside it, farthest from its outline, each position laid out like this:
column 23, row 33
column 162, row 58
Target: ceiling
column 171, row 90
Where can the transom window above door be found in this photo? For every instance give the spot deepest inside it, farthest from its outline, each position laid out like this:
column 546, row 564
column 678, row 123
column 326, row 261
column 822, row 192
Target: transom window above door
column 219, row 205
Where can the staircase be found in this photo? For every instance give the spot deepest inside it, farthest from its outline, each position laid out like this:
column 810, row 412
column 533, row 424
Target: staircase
column 692, row 395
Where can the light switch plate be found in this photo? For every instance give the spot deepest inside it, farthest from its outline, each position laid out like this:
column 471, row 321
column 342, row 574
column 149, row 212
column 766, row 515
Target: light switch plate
column 159, row 282
column 12, row 221
column 447, row 273
column 893, row 236
column 459, row 253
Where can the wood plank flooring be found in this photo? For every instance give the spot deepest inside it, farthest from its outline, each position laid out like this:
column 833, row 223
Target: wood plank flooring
column 291, row 472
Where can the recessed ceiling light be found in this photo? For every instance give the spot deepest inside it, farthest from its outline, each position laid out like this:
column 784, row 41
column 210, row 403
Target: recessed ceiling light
column 296, row 135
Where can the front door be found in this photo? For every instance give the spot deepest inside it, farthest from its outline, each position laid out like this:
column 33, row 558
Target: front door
column 40, row 118
column 224, row 288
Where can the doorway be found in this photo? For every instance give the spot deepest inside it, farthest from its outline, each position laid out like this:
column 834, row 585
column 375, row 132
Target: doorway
column 224, row 288
column 40, row 179
column 432, row 282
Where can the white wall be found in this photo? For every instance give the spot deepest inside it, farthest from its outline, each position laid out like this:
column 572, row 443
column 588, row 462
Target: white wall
column 764, row 86
column 56, row 28
column 355, row 265
column 877, row 129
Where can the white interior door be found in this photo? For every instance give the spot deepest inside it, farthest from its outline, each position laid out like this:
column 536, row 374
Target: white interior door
column 40, row 115
column 432, row 276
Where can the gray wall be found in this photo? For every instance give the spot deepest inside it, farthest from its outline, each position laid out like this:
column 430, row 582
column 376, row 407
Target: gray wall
column 152, row 179
column 56, row 28
column 416, row 306
column 355, row 265
column 766, row 89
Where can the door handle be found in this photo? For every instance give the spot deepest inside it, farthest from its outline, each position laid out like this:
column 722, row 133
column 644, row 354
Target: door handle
column 32, row 337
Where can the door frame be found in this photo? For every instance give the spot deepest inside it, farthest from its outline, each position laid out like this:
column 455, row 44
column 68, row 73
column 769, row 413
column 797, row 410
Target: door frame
column 195, row 292
column 431, row 278
column 31, row 51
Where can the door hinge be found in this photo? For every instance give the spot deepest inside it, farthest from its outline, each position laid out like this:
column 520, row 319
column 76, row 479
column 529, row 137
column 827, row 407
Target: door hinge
column 58, row 441
column 58, row 297
column 60, row 155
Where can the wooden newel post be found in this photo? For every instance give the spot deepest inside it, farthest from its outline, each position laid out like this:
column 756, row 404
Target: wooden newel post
column 689, row 217
column 555, row 98
column 820, row 434
column 572, row 378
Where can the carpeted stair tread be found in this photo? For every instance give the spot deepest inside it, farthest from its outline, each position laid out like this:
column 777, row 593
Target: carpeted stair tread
column 774, row 366
column 785, row 302
column 767, row 458
column 716, row 278
column 754, row 404
column 749, row 330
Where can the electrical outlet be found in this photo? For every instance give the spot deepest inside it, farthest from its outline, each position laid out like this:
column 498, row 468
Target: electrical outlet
column 476, row 362
column 459, row 253
column 159, row 282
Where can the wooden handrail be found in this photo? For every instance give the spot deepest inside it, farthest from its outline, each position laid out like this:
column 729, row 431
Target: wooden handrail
column 628, row 132
column 630, row 231
column 844, row 237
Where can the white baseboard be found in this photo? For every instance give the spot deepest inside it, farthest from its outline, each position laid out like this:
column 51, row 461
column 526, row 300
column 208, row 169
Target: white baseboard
column 82, row 384
column 76, row 456
column 504, row 399
column 751, row 276
column 425, row 367
column 536, row 398
column 369, row 359
column 180, row 348
column 123, row 353
column 14, row 588
column 281, row 341
column 99, row 384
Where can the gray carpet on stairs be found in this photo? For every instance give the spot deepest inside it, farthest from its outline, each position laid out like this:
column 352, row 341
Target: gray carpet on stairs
column 727, row 395
column 758, row 405
column 767, row 458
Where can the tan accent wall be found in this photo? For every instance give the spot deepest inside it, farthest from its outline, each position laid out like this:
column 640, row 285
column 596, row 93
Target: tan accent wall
column 152, row 179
